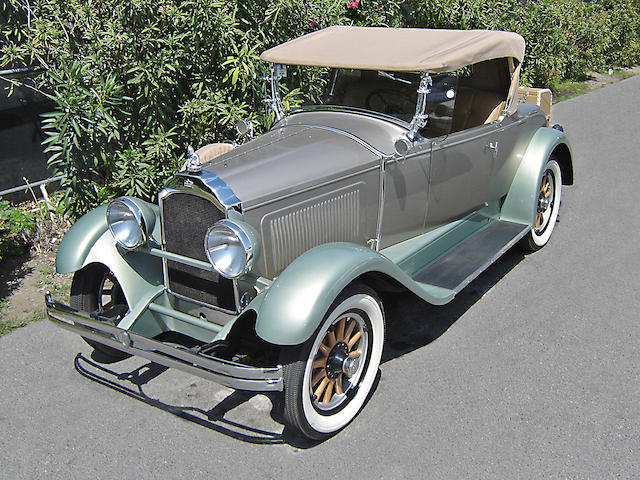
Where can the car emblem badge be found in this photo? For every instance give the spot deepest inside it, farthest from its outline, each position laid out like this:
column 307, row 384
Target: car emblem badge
column 188, row 183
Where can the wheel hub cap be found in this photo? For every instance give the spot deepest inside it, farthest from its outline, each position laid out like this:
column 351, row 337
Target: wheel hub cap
column 337, row 358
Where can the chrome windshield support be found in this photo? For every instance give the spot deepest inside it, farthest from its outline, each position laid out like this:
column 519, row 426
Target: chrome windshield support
column 274, row 102
column 420, row 118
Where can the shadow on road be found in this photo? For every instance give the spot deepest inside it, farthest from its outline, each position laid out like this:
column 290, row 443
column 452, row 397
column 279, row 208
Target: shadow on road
column 411, row 324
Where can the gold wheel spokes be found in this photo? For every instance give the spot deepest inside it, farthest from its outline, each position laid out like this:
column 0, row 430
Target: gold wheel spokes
column 350, row 327
column 340, row 329
column 323, row 384
column 338, row 352
column 538, row 220
column 331, row 337
column 320, row 362
column 354, row 339
column 319, row 375
column 328, row 393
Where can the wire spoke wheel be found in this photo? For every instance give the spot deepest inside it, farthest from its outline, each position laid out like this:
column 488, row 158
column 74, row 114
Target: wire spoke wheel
column 329, row 377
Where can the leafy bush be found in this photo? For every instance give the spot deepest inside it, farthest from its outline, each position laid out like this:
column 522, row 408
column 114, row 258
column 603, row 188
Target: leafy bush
column 15, row 226
column 565, row 38
column 134, row 82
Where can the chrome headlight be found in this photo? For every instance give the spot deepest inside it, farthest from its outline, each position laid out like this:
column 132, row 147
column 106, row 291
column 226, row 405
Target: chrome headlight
column 127, row 223
column 232, row 247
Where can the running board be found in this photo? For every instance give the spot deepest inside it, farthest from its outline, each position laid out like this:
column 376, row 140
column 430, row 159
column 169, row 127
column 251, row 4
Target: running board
column 456, row 268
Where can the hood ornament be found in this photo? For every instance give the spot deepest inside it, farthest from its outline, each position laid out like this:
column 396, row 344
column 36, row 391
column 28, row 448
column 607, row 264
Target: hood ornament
column 193, row 164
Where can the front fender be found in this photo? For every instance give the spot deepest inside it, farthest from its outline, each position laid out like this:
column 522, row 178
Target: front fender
column 79, row 240
column 297, row 301
column 520, row 203
column 89, row 241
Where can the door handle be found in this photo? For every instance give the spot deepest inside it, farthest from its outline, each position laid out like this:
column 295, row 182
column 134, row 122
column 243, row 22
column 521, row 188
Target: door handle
column 493, row 146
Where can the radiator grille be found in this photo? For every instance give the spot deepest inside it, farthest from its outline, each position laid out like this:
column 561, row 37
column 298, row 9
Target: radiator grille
column 185, row 220
column 335, row 219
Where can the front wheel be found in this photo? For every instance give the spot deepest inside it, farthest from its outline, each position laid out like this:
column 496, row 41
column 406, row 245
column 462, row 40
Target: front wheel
column 95, row 289
column 547, row 207
column 328, row 378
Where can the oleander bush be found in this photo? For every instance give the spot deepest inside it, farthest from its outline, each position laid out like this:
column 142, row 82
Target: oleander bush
column 134, row 82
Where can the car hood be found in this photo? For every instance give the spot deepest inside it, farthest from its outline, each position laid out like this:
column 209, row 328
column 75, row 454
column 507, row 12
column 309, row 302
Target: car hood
column 302, row 151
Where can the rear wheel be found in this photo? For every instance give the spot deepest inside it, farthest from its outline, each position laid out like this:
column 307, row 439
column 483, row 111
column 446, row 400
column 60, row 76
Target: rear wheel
column 96, row 289
column 328, row 378
column 547, row 207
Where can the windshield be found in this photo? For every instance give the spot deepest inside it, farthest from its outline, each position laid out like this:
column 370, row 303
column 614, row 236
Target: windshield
column 393, row 94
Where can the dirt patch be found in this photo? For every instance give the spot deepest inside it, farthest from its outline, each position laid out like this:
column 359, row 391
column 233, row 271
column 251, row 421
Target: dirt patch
column 596, row 80
column 23, row 281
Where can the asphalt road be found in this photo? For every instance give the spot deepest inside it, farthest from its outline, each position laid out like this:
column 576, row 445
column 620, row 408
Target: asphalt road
column 531, row 372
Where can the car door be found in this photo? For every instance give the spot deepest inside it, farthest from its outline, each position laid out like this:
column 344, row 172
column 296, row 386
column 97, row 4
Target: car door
column 460, row 173
column 405, row 195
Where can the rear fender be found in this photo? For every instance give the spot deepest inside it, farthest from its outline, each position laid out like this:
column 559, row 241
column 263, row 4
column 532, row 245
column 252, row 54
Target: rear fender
column 520, row 203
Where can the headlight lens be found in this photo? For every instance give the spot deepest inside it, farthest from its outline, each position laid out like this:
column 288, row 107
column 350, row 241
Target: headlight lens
column 126, row 223
column 231, row 248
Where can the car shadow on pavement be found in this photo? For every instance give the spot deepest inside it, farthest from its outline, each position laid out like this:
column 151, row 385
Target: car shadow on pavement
column 411, row 324
column 131, row 384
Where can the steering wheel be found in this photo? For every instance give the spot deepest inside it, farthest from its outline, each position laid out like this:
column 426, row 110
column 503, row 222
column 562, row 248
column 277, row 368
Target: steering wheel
column 389, row 101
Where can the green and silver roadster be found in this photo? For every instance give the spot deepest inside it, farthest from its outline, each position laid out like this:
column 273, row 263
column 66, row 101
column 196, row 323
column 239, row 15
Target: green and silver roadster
column 421, row 165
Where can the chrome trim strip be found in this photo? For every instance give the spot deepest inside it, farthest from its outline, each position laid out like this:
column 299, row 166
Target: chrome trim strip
column 216, row 186
column 346, row 109
column 224, row 372
column 351, row 136
column 383, row 171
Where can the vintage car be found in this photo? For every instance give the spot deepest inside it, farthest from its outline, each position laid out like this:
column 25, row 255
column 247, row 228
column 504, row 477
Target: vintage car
column 419, row 167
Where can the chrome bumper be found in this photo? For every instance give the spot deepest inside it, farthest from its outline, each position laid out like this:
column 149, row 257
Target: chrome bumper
column 224, row 372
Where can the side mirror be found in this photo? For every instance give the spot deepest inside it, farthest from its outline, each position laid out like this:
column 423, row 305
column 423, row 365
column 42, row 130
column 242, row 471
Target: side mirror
column 244, row 127
column 402, row 146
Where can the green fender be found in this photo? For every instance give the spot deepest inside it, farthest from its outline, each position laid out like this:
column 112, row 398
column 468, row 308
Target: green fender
column 520, row 203
column 90, row 241
column 296, row 302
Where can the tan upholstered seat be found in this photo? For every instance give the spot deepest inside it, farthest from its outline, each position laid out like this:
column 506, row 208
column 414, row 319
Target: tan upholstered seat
column 476, row 107
column 211, row 151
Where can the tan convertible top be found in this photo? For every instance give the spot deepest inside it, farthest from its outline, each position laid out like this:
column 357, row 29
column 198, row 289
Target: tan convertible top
column 396, row 49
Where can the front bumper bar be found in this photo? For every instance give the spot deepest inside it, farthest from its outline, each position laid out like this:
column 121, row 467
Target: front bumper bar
column 224, row 372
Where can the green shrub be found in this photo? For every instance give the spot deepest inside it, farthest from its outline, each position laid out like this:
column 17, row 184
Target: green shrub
column 565, row 38
column 15, row 226
column 134, row 82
